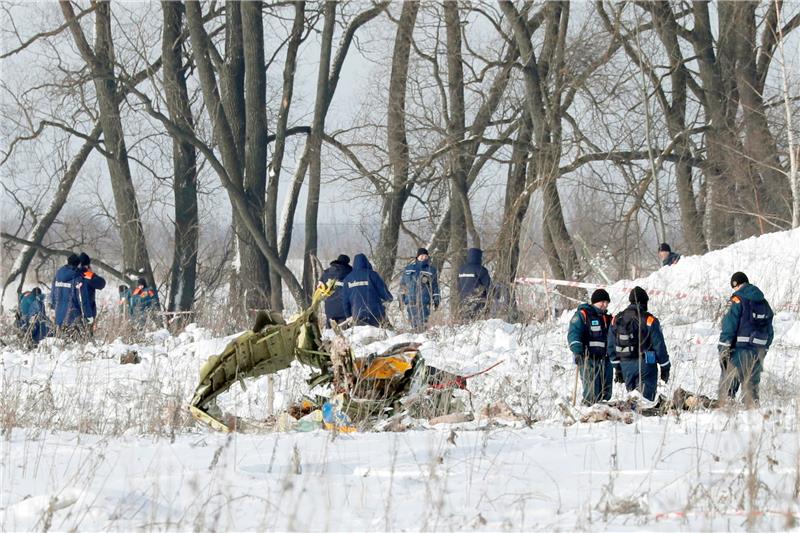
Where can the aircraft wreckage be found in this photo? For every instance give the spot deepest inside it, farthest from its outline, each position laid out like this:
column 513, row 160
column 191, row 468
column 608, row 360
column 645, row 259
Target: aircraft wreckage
column 364, row 389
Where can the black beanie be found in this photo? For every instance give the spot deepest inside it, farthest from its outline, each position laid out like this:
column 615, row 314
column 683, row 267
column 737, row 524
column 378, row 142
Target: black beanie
column 600, row 295
column 638, row 296
column 422, row 251
column 85, row 259
column 664, row 247
column 343, row 260
column 73, row 260
column 141, row 282
column 738, row 278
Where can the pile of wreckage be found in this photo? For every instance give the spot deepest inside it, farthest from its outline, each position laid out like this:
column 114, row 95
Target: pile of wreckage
column 378, row 391
column 365, row 390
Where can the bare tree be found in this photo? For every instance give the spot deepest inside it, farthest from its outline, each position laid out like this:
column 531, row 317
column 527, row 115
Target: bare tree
column 100, row 61
column 398, row 190
column 183, row 272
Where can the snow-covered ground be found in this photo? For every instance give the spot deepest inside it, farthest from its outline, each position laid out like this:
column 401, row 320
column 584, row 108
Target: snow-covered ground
column 89, row 444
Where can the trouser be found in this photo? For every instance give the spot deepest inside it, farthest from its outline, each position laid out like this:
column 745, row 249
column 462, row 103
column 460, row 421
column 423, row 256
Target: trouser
column 418, row 315
column 742, row 368
column 640, row 376
column 597, row 378
column 472, row 309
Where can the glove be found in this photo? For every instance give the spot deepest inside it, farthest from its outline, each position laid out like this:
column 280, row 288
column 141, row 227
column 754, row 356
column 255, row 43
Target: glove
column 724, row 355
column 578, row 358
column 90, row 320
column 618, row 378
column 435, row 306
column 665, row 374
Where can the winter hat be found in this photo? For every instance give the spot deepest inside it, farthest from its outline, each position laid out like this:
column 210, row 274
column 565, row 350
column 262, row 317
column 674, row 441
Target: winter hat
column 739, row 278
column 123, row 288
column 85, row 259
column 343, row 260
column 422, row 251
column 141, row 282
column 73, row 260
column 600, row 295
column 638, row 296
column 664, row 247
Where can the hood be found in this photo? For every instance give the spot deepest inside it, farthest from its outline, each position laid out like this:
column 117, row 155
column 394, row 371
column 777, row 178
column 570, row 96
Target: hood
column 750, row 292
column 361, row 263
column 474, row 256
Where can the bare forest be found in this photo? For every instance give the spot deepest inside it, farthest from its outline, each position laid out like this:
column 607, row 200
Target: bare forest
column 221, row 150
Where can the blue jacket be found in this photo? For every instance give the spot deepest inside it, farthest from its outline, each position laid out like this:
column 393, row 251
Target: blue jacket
column 69, row 296
column 31, row 305
column 473, row 278
column 580, row 334
column 420, row 284
column 334, row 304
column 95, row 282
column 732, row 323
column 654, row 345
column 671, row 259
column 364, row 293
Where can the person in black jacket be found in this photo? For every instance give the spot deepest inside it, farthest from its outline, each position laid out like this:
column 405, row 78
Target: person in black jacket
column 94, row 283
column 473, row 285
column 364, row 294
column 667, row 256
column 334, row 304
column 636, row 347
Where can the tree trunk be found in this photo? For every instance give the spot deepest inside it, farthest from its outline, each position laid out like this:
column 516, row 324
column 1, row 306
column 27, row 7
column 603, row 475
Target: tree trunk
column 315, row 147
column 183, row 272
column 101, row 62
column 271, row 224
column 397, row 143
column 770, row 183
column 559, row 247
column 517, row 200
column 719, row 95
column 455, row 134
column 255, row 269
column 675, row 114
column 229, row 171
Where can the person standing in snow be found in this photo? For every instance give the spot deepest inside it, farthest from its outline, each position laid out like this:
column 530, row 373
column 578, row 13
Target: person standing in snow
column 31, row 316
column 588, row 341
column 364, row 294
column 94, row 282
column 69, row 298
column 746, row 336
column 420, row 289
column 667, row 256
column 124, row 302
column 636, row 347
column 473, row 285
column 143, row 303
column 334, row 304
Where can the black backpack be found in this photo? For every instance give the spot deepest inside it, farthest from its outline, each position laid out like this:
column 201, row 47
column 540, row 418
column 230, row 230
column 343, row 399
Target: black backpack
column 632, row 335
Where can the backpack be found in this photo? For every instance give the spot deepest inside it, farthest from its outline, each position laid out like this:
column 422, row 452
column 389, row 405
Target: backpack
column 754, row 323
column 632, row 335
column 595, row 332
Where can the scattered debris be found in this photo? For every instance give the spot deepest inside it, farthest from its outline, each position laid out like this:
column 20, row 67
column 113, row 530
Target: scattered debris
column 130, row 358
column 396, row 382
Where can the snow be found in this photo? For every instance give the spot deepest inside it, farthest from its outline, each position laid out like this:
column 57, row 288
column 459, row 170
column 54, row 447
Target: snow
column 89, row 444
